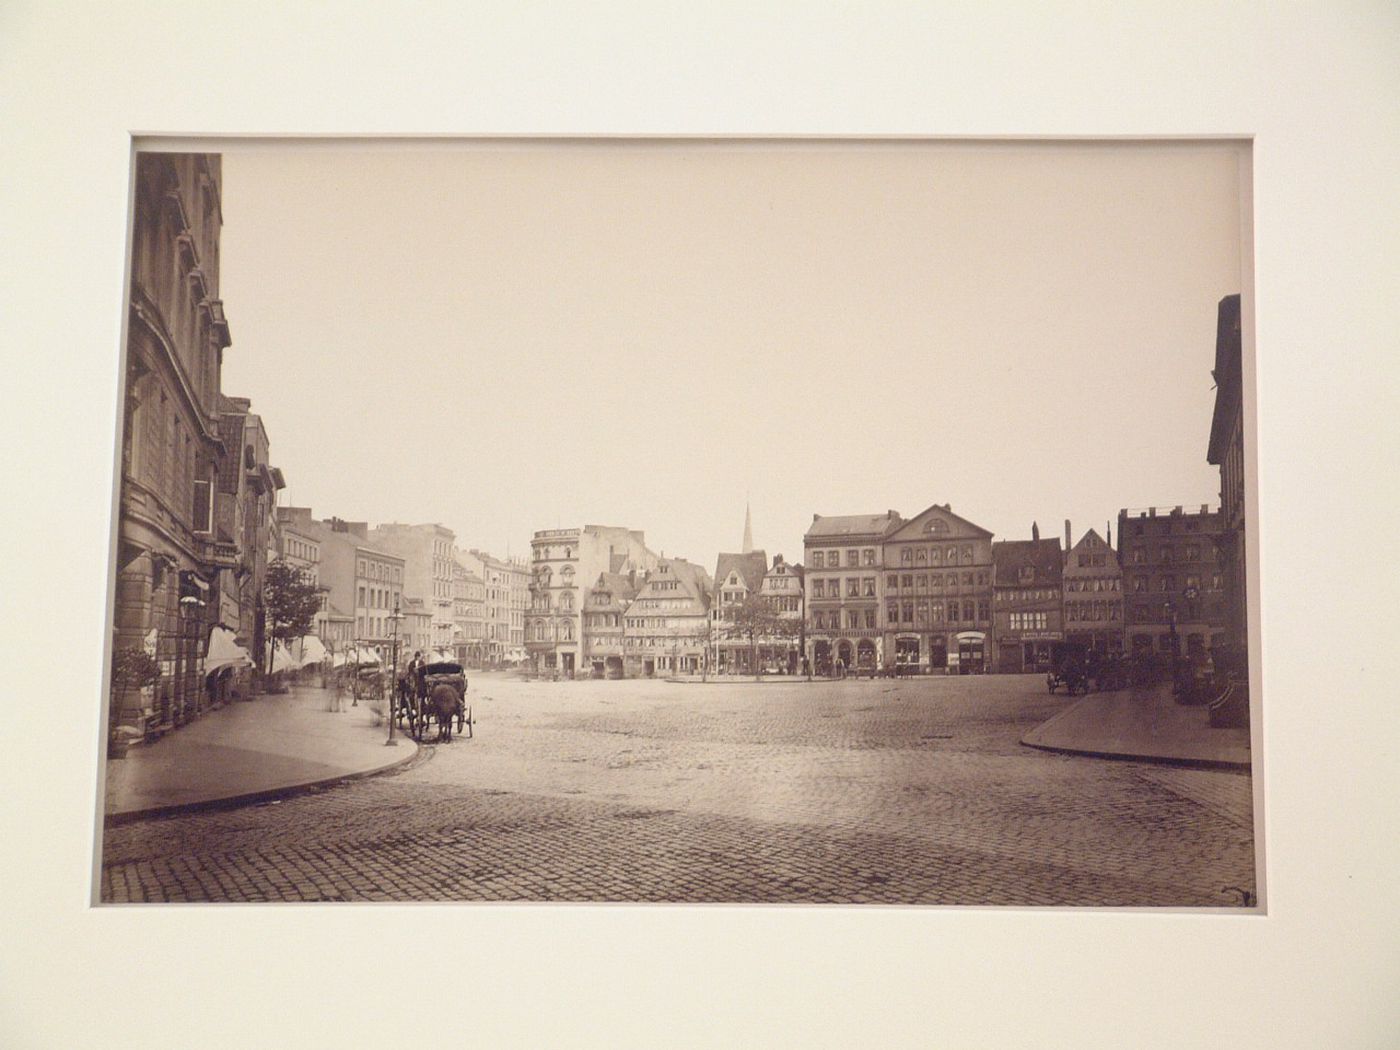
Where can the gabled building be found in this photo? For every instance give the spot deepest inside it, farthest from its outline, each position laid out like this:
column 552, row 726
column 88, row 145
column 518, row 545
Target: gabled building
column 604, row 611
column 935, row 593
column 666, row 627
column 844, row 558
column 782, row 591
column 737, row 577
column 1028, row 584
column 1093, row 593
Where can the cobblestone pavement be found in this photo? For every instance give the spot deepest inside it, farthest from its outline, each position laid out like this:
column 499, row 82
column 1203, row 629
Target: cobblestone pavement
column 852, row 792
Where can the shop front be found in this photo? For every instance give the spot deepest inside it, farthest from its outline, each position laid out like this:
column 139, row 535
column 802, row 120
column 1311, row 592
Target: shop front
column 970, row 656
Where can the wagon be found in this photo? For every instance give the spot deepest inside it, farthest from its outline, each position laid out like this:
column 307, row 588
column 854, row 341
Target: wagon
column 440, row 696
column 1068, row 668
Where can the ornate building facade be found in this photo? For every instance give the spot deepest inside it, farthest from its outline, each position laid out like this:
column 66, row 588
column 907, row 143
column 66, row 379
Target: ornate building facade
column 1093, row 593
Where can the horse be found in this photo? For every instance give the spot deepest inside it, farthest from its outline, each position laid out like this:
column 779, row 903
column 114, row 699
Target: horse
column 445, row 704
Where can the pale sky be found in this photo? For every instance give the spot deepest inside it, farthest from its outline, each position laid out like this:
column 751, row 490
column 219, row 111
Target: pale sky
column 517, row 337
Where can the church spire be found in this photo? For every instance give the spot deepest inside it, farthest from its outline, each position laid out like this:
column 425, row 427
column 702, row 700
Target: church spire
column 748, row 530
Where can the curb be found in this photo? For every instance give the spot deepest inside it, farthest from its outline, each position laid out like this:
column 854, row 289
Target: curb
column 1130, row 756
column 113, row 820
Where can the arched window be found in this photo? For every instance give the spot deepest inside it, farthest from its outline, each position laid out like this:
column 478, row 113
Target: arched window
column 566, row 631
column 921, row 558
column 566, row 601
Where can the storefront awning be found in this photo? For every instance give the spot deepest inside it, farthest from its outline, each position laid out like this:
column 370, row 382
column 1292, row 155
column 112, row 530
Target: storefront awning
column 309, row 650
column 280, row 659
column 223, row 651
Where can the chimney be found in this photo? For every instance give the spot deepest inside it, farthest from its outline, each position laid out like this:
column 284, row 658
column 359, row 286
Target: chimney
column 816, row 518
column 1067, row 534
column 1035, row 532
column 777, row 559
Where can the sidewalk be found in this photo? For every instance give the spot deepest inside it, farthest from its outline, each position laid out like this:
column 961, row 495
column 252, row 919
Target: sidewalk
column 250, row 750
column 1144, row 724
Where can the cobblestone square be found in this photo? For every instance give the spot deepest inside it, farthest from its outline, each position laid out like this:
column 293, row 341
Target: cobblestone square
column 895, row 792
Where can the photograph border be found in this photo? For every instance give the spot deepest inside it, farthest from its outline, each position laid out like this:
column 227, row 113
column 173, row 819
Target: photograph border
column 1321, row 966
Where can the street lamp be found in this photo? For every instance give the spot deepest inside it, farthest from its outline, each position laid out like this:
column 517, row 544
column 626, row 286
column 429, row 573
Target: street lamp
column 394, row 618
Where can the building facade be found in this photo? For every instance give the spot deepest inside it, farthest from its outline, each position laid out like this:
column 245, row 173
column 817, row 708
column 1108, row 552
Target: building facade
column 936, row 594
column 300, row 547
column 604, row 625
column 1226, row 451
column 737, row 578
column 169, row 557
column 426, row 554
column 844, row 556
column 667, row 626
column 1173, row 590
column 1027, row 603
column 468, row 614
column 782, row 592
column 505, row 595
column 1093, row 593
column 563, row 563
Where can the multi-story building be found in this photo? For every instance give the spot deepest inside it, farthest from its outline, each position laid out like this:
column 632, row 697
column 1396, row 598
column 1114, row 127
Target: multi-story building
column 1093, row 593
column 1173, row 592
column 249, row 516
column 782, row 591
column 416, row 629
column 468, row 614
column 604, row 629
column 362, row 582
column 300, row 547
column 1226, row 450
column 563, row 563
column 505, row 595
column 426, row 551
column 169, row 555
column 935, row 593
column 666, row 627
column 737, row 578
column 1027, row 603
column 844, row 560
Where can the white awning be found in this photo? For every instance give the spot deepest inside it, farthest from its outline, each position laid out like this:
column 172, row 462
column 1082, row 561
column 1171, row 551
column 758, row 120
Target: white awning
column 309, row 650
column 280, row 659
column 224, row 651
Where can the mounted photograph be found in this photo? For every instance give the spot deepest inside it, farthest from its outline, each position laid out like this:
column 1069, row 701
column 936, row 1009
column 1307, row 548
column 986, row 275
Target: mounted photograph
column 685, row 521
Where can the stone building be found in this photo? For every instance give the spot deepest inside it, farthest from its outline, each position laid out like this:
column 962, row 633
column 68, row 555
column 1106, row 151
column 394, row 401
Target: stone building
column 1226, row 450
column 935, row 594
column 168, row 555
column 782, row 590
column 666, row 627
column 1173, row 591
column 1093, row 593
column 563, row 563
column 1027, row 603
column 300, row 547
column 844, row 557
column 426, row 552
column 505, row 584
column 468, row 614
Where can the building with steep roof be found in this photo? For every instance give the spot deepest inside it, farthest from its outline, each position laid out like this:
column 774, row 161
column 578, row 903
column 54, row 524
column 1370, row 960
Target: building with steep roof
column 604, row 610
column 737, row 576
column 666, row 627
column 1028, row 609
column 1093, row 593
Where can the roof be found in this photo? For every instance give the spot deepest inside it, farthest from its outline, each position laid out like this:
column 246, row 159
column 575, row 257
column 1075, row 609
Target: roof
column 1010, row 557
column 751, row 567
column 620, row 586
column 872, row 525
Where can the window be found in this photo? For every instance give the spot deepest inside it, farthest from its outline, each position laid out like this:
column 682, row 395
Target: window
column 892, row 611
column 852, row 587
column 1193, row 552
column 870, row 618
column 907, row 581
column 906, row 556
column 202, row 518
column 818, row 558
column 892, row 581
column 868, row 556
column 967, row 555
column 852, row 559
column 1168, row 583
column 1139, row 556
column 907, row 612
column 361, row 602
column 936, row 556
column 967, row 579
column 868, row 586
column 984, row 611
column 921, row 556
column 952, row 612
column 936, row 611
column 921, row 613
column 818, row 588
column 852, row 619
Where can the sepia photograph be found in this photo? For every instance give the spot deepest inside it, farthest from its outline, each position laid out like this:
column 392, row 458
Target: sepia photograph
column 692, row 521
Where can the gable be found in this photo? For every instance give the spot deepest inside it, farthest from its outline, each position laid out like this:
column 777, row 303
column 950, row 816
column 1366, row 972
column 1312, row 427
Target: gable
column 938, row 523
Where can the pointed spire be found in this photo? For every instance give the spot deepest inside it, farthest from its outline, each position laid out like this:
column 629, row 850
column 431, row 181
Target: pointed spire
column 748, row 530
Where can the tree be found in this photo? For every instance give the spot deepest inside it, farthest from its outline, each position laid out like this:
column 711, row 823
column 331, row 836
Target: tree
column 132, row 668
column 291, row 601
column 755, row 618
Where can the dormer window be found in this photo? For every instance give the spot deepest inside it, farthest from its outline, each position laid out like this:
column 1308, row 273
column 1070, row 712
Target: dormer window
column 1027, row 574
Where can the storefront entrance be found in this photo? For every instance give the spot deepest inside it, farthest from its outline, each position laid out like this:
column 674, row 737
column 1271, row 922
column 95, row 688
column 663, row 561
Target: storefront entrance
column 972, row 657
column 906, row 653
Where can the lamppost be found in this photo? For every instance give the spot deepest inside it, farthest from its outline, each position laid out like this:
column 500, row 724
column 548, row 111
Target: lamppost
column 1175, row 645
column 394, row 618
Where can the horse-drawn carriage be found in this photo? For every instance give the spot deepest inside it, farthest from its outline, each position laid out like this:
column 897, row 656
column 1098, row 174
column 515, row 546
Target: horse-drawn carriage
column 435, row 692
column 1069, row 667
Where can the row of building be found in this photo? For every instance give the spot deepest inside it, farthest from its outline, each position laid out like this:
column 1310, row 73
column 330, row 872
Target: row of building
column 198, row 521
column 935, row 593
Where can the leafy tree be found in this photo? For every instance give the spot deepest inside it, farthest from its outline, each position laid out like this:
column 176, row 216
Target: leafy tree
column 755, row 618
column 291, row 600
column 132, row 668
